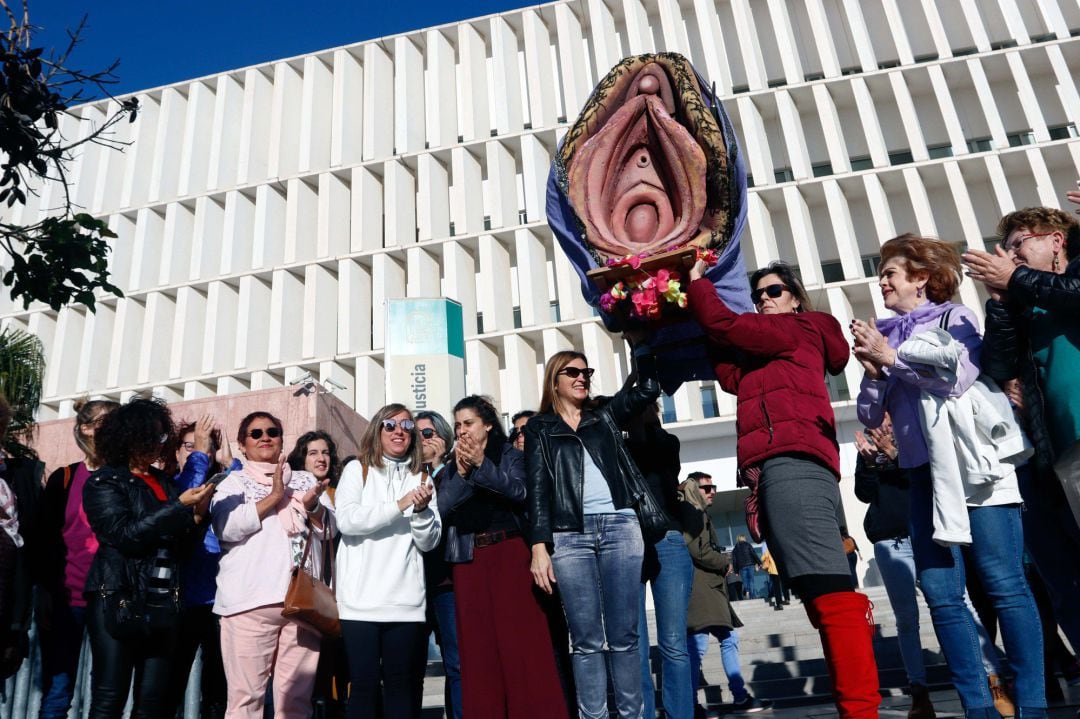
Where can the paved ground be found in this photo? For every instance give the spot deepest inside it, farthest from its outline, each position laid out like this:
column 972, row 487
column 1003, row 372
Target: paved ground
column 946, row 703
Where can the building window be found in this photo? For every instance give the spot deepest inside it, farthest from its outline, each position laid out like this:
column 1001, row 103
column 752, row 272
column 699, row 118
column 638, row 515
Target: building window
column 452, row 229
column 937, row 152
column 1044, row 37
column 517, row 317
column 778, row 83
column 838, row 387
column 870, row 265
column 929, row 57
column 980, row 144
column 901, row 157
column 553, row 309
column 668, row 414
column 1063, row 132
column 709, row 404
column 487, row 222
column 812, row 76
column 739, row 89
column 479, row 323
column 749, row 180
column 1024, row 137
column 859, row 164
column 851, row 70
column 821, row 169
column 523, row 217
column 784, row 174
column 886, row 64
column 832, row 271
column 965, row 51
column 1002, row 44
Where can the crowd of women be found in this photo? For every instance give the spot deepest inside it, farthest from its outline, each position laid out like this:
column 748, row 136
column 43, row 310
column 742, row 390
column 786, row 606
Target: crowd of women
column 530, row 553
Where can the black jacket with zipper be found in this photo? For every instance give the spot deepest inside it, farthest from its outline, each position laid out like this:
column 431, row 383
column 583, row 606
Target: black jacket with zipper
column 131, row 524
column 1006, row 352
column 554, row 457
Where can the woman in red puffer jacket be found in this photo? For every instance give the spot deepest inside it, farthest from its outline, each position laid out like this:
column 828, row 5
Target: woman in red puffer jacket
column 775, row 363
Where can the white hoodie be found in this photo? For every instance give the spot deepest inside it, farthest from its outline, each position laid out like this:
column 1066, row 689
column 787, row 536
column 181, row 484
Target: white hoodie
column 380, row 569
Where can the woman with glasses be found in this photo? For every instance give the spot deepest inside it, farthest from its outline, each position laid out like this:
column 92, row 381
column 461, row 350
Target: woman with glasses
column 775, row 362
column 587, row 503
column 437, row 438
column 197, row 459
column 919, row 365
column 507, row 661
column 1032, row 347
column 387, row 519
column 263, row 515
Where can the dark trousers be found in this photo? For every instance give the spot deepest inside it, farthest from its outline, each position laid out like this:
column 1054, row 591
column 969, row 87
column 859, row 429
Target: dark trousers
column 390, row 656
column 150, row 660
column 61, row 639
column 507, row 660
column 200, row 628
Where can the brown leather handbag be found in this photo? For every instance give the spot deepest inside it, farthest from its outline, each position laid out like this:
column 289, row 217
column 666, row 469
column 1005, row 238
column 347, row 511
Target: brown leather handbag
column 309, row 599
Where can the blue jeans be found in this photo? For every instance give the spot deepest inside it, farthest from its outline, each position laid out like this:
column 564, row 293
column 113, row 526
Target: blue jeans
column 671, row 596
column 599, row 575
column 61, row 645
column 448, row 647
column 897, row 566
column 747, row 574
column 996, row 550
column 729, row 655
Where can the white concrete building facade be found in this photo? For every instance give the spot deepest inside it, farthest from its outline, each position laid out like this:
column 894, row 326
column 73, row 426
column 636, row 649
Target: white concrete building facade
column 264, row 215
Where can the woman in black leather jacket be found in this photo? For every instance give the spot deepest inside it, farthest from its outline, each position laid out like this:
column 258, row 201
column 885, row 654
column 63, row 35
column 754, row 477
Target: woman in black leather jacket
column 141, row 521
column 1031, row 348
column 585, row 498
column 507, row 661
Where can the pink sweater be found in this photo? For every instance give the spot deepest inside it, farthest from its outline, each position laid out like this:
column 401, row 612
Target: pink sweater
column 256, row 555
column 81, row 542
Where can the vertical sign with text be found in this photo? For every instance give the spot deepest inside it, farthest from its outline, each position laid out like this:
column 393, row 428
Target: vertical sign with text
column 425, row 354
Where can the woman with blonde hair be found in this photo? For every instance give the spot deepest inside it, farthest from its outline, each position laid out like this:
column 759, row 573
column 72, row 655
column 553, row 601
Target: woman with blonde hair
column 69, row 546
column 922, row 364
column 588, row 505
column 388, row 517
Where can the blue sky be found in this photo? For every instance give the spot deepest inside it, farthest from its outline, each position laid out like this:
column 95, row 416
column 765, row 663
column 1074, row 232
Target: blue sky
column 163, row 41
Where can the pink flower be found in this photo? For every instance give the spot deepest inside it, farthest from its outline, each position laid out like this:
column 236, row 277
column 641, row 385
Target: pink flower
column 646, row 303
column 607, row 302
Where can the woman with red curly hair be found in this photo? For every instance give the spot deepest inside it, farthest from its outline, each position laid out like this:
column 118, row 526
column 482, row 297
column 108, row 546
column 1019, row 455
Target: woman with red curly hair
column 923, row 366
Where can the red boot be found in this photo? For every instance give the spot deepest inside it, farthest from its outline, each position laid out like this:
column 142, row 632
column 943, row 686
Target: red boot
column 846, row 625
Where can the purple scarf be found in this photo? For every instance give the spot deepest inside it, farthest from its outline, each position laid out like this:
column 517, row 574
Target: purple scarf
column 899, row 328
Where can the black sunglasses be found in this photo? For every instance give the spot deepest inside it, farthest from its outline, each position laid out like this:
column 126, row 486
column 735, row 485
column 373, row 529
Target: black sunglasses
column 427, row 433
column 271, row 432
column 389, row 425
column 575, row 372
column 707, row 487
column 773, row 291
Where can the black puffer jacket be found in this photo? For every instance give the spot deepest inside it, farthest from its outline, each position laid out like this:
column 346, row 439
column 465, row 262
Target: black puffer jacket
column 131, row 524
column 1006, row 352
column 554, row 459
